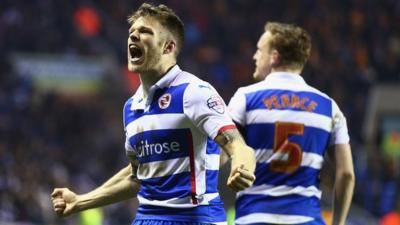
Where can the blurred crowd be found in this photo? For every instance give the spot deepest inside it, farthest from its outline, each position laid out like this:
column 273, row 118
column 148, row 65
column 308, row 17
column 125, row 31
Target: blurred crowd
column 47, row 140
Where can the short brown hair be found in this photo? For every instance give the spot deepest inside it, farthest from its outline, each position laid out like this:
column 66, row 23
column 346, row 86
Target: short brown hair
column 165, row 16
column 292, row 42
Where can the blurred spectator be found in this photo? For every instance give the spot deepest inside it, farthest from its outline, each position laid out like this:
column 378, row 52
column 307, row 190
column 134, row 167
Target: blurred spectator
column 87, row 21
column 392, row 217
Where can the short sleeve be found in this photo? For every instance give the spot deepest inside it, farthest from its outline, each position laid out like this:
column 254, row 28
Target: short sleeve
column 128, row 146
column 237, row 107
column 206, row 109
column 125, row 112
column 340, row 133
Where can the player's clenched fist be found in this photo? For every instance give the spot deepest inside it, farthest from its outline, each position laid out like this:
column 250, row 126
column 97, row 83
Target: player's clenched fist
column 64, row 201
column 240, row 179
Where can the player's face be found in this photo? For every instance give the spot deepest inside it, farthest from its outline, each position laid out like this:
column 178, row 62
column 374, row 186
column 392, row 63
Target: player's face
column 262, row 57
column 145, row 45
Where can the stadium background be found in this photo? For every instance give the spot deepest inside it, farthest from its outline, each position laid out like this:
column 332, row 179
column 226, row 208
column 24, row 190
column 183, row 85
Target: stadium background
column 63, row 82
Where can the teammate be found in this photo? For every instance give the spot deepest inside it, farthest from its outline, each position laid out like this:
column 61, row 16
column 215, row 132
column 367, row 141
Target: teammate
column 291, row 126
column 173, row 124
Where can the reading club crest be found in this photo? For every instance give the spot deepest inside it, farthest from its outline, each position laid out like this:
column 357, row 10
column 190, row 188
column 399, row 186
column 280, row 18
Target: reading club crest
column 164, row 101
column 216, row 103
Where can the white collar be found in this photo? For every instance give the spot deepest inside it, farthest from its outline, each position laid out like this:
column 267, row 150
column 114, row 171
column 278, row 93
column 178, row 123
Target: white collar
column 284, row 76
column 167, row 79
column 138, row 99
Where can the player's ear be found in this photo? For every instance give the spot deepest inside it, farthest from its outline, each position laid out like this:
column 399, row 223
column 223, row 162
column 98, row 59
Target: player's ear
column 170, row 46
column 275, row 57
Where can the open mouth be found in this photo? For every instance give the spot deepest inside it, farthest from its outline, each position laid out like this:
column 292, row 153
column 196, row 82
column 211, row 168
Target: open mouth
column 135, row 52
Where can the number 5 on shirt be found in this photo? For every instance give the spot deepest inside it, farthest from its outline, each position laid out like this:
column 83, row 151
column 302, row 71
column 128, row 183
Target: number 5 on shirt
column 283, row 146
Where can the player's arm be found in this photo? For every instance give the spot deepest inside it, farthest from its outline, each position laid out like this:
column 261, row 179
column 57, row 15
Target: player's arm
column 340, row 153
column 242, row 159
column 344, row 181
column 237, row 111
column 122, row 186
column 207, row 111
column 224, row 158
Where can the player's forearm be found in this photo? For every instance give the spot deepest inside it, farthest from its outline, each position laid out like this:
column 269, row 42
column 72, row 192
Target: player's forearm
column 344, row 185
column 121, row 186
column 241, row 154
column 234, row 146
column 105, row 196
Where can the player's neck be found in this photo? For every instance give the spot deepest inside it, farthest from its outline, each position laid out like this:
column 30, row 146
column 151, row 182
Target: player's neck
column 286, row 70
column 150, row 77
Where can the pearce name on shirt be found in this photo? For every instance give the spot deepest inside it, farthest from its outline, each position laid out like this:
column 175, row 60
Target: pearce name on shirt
column 290, row 101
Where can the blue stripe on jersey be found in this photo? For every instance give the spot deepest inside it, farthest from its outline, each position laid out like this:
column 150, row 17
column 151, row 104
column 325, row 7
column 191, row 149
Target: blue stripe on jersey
column 169, row 222
column 164, row 222
column 156, row 145
column 212, row 175
column 202, row 213
column 303, row 176
column 254, row 100
column 167, row 187
column 216, row 201
column 287, row 205
column 211, row 181
column 313, row 140
column 128, row 114
column 212, row 147
column 175, row 105
column 316, row 221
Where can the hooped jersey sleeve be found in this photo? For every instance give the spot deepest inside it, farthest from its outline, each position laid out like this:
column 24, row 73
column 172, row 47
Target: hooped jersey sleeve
column 206, row 109
column 339, row 133
column 237, row 107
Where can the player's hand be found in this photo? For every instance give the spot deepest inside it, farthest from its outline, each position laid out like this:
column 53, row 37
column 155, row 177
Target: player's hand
column 64, row 201
column 240, row 178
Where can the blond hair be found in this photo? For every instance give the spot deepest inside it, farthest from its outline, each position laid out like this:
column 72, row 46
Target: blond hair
column 292, row 43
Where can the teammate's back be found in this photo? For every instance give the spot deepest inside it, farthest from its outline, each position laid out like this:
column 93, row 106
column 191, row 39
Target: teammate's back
column 290, row 125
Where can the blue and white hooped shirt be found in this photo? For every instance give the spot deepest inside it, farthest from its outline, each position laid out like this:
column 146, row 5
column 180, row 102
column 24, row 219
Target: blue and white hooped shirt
column 171, row 136
column 289, row 124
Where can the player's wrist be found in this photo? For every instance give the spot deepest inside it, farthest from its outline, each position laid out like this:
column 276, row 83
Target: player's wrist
column 81, row 203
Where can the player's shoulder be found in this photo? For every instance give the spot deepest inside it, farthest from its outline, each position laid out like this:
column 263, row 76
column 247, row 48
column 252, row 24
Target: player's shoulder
column 189, row 78
column 128, row 103
column 317, row 91
column 251, row 88
column 126, row 109
column 334, row 105
column 194, row 84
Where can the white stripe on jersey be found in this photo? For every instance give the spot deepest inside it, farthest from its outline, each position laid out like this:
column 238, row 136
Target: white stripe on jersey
column 312, row 160
column 163, row 168
column 200, row 159
column 281, row 190
column 309, row 159
column 212, row 162
column 272, row 218
column 179, row 202
column 220, row 223
column 155, row 122
column 274, row 115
